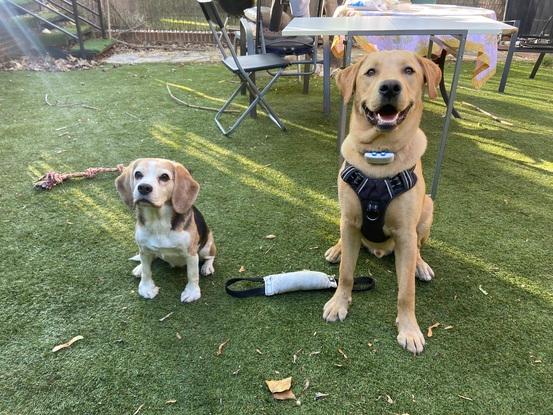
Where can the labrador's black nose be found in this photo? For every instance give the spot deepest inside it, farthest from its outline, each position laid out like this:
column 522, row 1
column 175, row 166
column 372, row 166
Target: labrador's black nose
column 389, row 89
column 144, row 189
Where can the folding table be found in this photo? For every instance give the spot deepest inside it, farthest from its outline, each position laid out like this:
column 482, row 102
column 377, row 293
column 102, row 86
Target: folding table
column 458, row 27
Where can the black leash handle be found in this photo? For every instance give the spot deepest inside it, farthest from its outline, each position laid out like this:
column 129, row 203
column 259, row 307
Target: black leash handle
column 359, row 284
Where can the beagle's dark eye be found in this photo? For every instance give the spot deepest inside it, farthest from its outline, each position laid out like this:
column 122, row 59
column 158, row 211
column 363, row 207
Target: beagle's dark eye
column 164, row 177
column 138, row 175
column 409, row 71
column 370, row 72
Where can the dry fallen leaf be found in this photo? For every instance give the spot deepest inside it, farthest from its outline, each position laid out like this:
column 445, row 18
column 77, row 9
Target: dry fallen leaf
column 67, row 344
column 320, row 395
column 305, row 385
column 270, row 236
column 338, row 365
column 276, row 386
column 483, row 290
column 314, row 353
column 433, row 326
column 465, row 397
column 170, row 401
column 448, row 327
column 389, row 399
column 342, row 353
column 179, row 336
column 236, row 371
column 242, row 269
column 295, row 356
column 282, row 396
column 222, row 347
column 258, row 351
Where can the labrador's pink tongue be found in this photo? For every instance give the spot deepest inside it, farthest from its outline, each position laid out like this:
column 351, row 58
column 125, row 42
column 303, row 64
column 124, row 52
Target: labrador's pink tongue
column 388, row 117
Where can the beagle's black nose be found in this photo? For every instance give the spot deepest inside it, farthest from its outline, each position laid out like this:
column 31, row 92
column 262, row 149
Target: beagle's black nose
column 144, row 189
column 389, row 89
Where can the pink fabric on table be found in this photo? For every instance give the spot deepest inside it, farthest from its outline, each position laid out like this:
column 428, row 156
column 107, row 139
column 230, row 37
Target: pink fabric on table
column 484, row 46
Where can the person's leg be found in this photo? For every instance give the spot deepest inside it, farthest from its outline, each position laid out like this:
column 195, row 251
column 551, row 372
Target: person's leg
column 300, row 8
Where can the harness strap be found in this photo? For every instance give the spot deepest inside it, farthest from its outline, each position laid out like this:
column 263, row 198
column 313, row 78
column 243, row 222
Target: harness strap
column 375, row 195
column 359, row 284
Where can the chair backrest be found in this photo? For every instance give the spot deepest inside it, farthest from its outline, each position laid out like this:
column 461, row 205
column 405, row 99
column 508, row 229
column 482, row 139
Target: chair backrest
column 533, row 16
column 210, row 12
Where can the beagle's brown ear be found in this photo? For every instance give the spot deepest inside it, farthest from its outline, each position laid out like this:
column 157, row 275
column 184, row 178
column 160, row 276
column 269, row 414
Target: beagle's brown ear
column 185, row 191
column 432, row 75
column 124, row 184
column 345, row 80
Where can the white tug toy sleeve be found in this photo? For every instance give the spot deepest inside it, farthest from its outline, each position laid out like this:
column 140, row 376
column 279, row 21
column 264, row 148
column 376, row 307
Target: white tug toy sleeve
column 297, row 281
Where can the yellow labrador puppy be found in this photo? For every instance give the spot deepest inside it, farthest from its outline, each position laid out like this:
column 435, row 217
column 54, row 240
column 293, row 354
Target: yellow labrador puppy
column 168, row 225
column 381, row 186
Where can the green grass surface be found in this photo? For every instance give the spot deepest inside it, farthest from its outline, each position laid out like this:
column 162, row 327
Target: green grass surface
column 65, row 272
column 93, row 46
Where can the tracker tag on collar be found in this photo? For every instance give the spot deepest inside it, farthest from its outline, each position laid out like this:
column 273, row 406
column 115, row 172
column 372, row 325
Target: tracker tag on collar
column 379, row 157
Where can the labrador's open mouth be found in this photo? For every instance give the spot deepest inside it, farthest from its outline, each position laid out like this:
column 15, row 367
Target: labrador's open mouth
column 386, row 117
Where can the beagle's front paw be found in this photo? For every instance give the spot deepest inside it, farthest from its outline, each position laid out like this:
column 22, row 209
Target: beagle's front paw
column 334, row 253
column 336, row 308
column 410, row 337
column 147, row 290
column 191, row 293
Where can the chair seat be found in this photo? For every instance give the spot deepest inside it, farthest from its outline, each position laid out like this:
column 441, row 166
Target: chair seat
column 258, row 62
column 294, row 45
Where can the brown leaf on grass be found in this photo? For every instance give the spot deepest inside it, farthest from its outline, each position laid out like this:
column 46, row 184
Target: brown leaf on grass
column 258, row 351
column 222, row 347
column 389, row 399
column 236, row 371
column 67, row 344
column 170, row 401
column 305, row 385
column 465, row 397
column 342, row 353
column 242, row 269
column 295, row 356
column 319, row 396
column 178, row 336
column 314, row 353
column 482, row 290
column 433, row 326
column 338, row 365
column 282, row 396
column 270, row 236
column 276, row 386
column 448, row 327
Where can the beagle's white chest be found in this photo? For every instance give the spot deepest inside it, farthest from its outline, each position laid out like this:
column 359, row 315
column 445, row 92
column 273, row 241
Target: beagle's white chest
column 163, row 242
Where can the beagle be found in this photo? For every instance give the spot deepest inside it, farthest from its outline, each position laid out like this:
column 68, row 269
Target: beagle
column 168, row 225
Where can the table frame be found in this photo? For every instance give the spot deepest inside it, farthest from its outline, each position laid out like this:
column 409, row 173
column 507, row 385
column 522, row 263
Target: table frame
column 460, row 34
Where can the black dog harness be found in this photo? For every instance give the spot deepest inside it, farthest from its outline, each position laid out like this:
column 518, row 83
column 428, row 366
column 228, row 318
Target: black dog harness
column 375, row 195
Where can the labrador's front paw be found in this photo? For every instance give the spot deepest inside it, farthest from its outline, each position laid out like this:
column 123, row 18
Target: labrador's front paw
column 137, row 271
column 336, row 308
column 147, row 290
column 410, row 337
column 191, row 293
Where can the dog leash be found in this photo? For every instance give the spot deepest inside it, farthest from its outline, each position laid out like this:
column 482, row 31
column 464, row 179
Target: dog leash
column 292, row 281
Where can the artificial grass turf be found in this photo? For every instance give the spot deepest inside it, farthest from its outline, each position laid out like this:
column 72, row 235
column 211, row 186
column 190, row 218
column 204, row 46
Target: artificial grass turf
column 65, row 270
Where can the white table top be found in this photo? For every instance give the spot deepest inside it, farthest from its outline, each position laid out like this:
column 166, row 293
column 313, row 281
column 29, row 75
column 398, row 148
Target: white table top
column 394, row 25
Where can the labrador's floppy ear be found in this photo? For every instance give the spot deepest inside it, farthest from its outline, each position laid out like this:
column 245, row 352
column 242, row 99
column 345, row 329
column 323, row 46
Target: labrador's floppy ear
column 123, row 184
column 185, row 191
column 345, row 80
column 432, row 75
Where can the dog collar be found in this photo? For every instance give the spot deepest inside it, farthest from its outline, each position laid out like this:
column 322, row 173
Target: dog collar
column 379, row 156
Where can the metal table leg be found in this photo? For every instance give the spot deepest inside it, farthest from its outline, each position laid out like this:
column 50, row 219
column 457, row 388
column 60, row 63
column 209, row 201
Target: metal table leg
column 326, row 75
column 343, row 106
column 447, row 120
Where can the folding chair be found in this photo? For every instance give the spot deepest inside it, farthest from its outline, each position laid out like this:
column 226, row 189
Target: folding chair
column 244, row 67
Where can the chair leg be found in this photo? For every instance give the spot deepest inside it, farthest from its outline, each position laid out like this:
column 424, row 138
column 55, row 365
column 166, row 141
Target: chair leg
column 537, row 65
column 443, row 89
column 306, row 69
column 257, row 99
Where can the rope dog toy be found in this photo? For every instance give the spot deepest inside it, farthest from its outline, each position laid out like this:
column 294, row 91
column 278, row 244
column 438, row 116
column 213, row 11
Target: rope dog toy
column 293, row 281
column 53, row 178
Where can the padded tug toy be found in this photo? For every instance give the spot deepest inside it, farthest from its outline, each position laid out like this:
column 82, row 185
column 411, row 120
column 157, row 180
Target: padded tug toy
column 293, row 281
column 53, row 178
